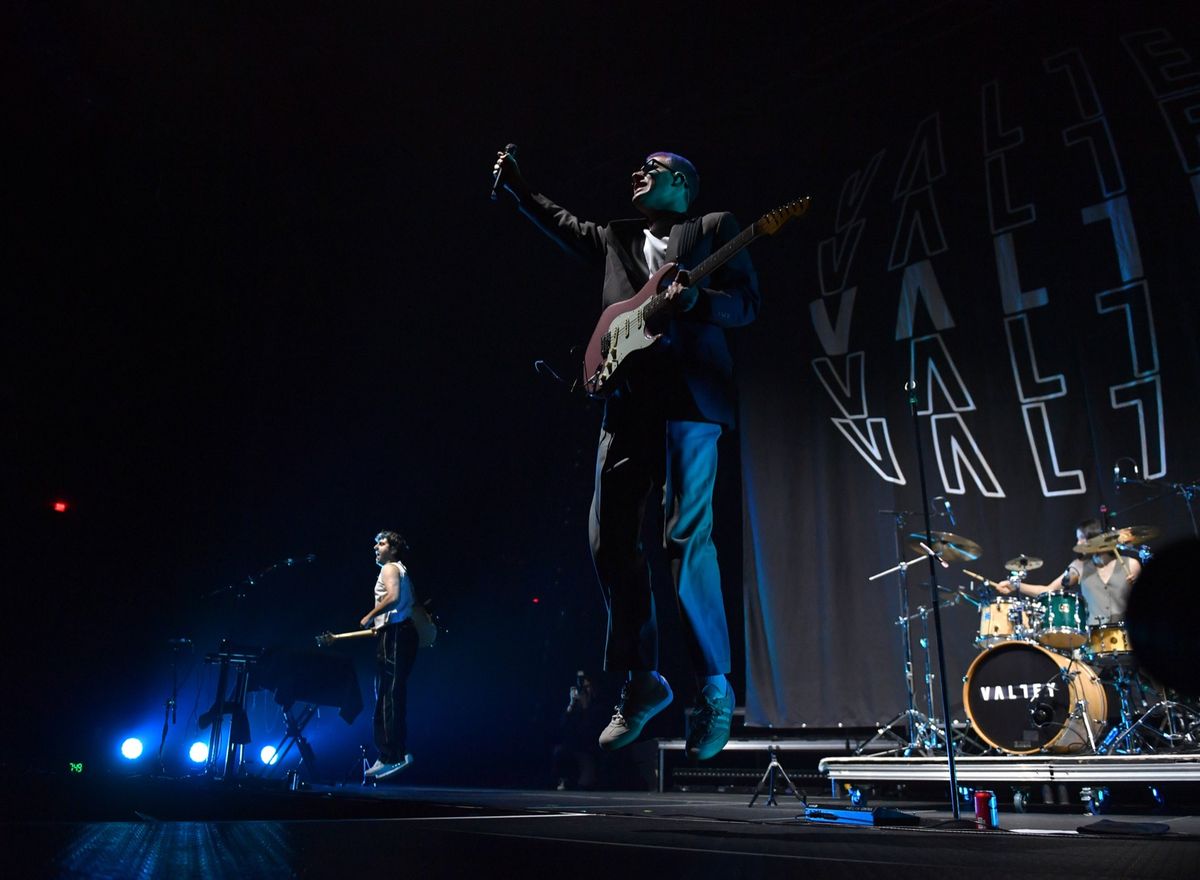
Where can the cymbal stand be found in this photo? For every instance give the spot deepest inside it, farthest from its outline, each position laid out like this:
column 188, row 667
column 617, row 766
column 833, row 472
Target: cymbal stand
column 935, row 734
column 910, row 716
column 1178, row 724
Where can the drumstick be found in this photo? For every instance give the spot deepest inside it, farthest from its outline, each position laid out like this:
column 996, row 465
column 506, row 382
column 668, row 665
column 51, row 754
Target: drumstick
column 980, row 578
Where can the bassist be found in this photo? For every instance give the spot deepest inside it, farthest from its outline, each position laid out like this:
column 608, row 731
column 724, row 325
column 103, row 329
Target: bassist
column 659, row 434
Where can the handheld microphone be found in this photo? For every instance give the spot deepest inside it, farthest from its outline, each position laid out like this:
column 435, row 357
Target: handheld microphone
column 511, row 152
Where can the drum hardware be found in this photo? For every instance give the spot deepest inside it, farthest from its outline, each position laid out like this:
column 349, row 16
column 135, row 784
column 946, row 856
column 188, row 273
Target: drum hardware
column 1167, row 722
column 924, row 733
column 1130, row 475
column 946, row 546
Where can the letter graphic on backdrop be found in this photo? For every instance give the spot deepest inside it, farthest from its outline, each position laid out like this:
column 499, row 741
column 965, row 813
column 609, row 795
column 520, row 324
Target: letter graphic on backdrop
column 868, row 436
column 1143, row 393
column 1033, row 390
column 850, row 396
column 1174, row 79
column 931, row 366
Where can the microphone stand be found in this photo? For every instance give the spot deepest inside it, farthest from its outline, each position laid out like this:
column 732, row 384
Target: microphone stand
column 241, row 587
column 1188, row 491
column 911, row 388
column 169, row 708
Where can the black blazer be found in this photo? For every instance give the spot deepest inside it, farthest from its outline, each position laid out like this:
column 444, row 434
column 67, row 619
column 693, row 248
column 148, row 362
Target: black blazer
column 688, row 373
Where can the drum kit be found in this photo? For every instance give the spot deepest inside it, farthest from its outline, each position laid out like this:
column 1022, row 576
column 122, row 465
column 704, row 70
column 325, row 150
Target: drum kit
column 1044, row 681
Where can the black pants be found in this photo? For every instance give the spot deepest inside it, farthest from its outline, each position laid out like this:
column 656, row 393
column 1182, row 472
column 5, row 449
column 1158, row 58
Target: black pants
column 673, row 462
column 394, row 658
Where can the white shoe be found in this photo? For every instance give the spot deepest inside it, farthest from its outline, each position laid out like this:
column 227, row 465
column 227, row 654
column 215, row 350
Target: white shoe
column 392, row 769
column 641, row 700
column 374, row 768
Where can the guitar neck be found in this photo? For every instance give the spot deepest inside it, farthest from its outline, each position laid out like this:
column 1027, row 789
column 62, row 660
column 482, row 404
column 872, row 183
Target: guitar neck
column 356, row 634
column 723, row 254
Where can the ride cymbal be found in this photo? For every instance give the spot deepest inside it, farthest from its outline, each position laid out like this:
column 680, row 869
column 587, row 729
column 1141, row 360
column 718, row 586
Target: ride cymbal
column 947, row 546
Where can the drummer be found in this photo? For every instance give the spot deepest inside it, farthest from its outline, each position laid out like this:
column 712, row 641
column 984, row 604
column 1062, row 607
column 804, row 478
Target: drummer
column 1104, row 577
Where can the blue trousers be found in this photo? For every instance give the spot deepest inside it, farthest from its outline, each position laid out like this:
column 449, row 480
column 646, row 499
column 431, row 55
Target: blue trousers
column 677, row 461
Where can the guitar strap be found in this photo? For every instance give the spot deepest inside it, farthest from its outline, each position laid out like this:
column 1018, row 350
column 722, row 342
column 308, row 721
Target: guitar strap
column 684, row 239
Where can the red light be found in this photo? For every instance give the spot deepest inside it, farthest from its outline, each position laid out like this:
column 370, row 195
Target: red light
column 60, row 507
column 536, row 600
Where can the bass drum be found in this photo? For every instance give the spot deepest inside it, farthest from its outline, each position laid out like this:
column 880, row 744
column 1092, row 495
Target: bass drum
column 1020, row 698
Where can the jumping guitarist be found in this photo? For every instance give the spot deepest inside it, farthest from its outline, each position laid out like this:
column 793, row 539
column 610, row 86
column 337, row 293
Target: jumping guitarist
column 663, row 416
column 391, row 617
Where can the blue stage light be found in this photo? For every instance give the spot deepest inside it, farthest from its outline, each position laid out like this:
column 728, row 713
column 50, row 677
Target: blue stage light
column 267, row 755
column 198, row 752
column 132, row 748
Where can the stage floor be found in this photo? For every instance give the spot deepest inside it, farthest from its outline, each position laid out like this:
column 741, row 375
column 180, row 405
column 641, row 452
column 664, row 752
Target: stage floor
column 181, row 828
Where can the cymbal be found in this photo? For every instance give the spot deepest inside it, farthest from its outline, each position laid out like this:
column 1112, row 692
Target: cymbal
column 1108, row 541
column 1023, row 563
column 948, row 546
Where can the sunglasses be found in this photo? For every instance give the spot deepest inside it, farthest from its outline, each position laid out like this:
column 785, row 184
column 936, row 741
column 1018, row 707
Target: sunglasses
column 651, row 165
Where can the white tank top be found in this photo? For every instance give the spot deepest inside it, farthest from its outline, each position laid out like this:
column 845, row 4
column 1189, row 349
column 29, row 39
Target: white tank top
column 401, row 609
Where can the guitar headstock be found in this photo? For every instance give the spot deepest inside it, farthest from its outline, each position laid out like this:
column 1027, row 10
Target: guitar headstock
column 325, row 639
column 773, row 220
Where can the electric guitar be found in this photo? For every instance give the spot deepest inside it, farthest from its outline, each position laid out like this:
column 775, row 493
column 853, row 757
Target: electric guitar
column 625, row 328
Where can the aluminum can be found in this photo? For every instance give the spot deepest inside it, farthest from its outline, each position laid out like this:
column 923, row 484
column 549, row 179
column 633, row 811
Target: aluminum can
column 986, row 813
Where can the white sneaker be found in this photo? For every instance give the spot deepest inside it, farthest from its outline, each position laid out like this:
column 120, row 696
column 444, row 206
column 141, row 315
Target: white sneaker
column 374, row 768
column 640, row 701
column 392, row 769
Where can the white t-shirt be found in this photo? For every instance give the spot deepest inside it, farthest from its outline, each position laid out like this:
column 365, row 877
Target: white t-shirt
column 401, row 609
column 655, row 251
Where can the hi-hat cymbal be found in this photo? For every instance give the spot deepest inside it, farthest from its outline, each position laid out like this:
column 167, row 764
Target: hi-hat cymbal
column 948, row 546
column 1108, row 541
column 1023, row 563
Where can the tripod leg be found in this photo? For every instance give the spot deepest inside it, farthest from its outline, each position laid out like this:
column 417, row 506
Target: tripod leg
column 769, row 781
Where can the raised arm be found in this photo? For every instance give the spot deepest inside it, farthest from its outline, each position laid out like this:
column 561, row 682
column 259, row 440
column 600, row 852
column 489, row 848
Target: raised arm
column 1070, row 578
column 580, row 238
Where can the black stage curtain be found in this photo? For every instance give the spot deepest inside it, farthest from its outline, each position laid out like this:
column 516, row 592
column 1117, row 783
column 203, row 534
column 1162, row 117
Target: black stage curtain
column 1008, row 214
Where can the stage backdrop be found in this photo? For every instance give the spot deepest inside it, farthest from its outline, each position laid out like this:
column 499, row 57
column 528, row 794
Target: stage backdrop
column 1007, row 215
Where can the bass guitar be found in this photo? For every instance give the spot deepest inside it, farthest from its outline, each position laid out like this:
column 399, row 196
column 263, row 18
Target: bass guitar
column 426, row 626
column 627, row 327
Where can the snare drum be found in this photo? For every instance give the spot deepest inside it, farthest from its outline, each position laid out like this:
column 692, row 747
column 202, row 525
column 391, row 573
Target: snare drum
column 1005, row 619
column 1108, row 643
column 1061, row 626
